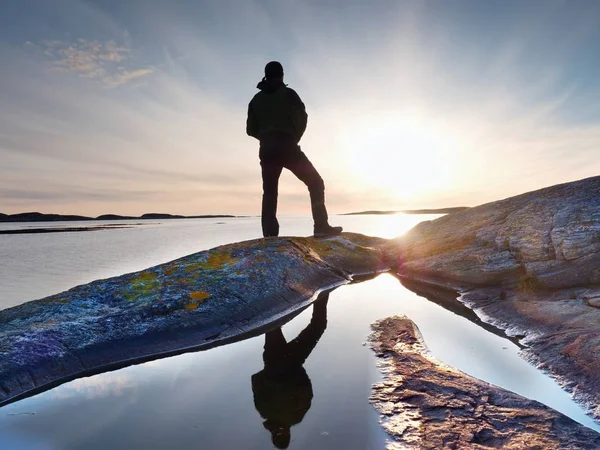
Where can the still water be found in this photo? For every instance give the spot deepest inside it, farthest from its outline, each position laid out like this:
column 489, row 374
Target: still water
column 239, row 396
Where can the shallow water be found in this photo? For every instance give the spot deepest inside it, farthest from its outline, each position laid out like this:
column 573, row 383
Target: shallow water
column 205, row 399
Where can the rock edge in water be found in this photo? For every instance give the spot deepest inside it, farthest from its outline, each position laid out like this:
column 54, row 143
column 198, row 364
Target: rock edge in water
column 197, row 301
column 428, row 405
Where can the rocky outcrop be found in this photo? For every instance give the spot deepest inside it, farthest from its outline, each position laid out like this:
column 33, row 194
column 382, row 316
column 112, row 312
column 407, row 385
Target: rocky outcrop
column 548, row 238
column 531, row 265
column 427, row 405
column 201, row 300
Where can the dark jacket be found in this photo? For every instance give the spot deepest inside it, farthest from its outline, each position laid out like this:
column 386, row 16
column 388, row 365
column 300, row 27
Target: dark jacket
column 276, row 109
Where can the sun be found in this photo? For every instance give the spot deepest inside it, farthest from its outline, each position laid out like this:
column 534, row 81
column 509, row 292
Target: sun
column 403, row 156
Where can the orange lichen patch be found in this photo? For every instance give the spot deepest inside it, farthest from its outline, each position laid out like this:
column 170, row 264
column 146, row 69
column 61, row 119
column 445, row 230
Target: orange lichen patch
column 197, row 298
column 199, row 295
column 145, row 277
column 215, row 260
column 190, row 306
column 218, row 260
column 169, row 270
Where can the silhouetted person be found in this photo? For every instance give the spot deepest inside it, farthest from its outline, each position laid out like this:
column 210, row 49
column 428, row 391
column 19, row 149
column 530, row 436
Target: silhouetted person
column 277, row 118
column 282, row 390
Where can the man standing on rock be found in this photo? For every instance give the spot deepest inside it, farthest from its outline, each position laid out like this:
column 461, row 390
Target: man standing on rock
column 277, row 118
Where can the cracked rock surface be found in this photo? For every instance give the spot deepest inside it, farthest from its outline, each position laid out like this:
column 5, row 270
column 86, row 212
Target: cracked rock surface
column 427, row 405
column 530, row 265
column 550, row 236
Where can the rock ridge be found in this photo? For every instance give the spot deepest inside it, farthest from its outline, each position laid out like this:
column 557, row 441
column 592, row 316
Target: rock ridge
column 201, row 300
column 529, row 264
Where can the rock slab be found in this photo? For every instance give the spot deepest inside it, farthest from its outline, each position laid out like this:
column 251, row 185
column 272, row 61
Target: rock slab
column 548, row 238
column 530, row 265
column 204, row 299
column 427, row 405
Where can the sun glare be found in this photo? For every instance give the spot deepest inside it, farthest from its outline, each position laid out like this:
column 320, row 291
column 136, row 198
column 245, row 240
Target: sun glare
column 406, row 157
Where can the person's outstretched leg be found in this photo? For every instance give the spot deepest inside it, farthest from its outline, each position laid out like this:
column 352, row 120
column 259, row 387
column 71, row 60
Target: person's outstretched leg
column 271, row 171
column 300, row 166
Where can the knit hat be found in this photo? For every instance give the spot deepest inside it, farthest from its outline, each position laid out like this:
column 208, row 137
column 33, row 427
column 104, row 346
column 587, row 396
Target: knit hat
column 274, row 69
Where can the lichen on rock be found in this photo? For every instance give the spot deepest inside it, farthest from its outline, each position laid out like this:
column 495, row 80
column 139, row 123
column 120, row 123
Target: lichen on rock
column 193, row 302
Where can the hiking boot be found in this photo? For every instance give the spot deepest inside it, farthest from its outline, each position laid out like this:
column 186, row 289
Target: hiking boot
column 327, row 230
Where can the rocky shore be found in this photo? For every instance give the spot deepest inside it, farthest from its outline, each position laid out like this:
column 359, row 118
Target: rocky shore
column 205, row 299
column 427, row 405
column 529, row 264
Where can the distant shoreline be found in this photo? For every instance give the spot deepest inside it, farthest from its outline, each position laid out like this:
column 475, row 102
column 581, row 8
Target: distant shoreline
column 40, row 217
column 409, row 211
column 64, row 230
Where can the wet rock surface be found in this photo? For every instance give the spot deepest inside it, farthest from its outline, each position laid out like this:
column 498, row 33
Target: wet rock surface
column 561, row 334
column 205, row 299
column 530, row 265
column 427, row 405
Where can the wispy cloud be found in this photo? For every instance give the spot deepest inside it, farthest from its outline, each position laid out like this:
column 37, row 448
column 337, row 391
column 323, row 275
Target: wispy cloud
column 107, row 62
column 513, row 101
column 126, row 76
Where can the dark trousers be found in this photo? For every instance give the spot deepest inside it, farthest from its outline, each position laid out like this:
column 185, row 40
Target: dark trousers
column 275, row 154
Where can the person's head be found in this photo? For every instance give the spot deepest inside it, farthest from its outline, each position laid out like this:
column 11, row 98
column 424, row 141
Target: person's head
column 273, row 71
column 280, row 433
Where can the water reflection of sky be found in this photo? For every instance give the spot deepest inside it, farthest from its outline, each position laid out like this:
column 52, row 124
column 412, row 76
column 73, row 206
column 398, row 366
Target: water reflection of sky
column 206, row 400
column 207, row 396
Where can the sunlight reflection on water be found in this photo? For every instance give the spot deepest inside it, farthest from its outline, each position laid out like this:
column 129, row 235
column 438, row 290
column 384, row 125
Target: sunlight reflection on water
column 207, row 396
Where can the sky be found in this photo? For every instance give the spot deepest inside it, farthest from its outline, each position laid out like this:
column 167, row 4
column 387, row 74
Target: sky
column 128, row 107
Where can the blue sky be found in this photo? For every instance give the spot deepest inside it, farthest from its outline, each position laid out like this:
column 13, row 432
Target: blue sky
column 137, row 106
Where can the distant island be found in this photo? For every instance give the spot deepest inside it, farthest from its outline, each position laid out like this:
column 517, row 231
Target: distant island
column 409, row 211
column 39, row 217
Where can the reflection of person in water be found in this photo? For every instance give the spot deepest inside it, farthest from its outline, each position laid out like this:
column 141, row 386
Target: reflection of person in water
column 282, row 390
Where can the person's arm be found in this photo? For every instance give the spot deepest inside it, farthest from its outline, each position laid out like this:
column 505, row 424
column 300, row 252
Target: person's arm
column 251, row 123
column 299, row 113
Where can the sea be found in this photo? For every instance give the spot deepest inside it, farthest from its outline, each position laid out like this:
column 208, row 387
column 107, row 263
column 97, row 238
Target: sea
column 217, row 398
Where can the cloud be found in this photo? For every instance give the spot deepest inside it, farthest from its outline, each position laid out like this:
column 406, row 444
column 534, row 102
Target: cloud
column 106, row 62
column 126, row 76
column 515, row 114
column 104, row 385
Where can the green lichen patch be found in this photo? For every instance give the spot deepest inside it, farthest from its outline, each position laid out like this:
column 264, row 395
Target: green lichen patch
column 143, row 285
